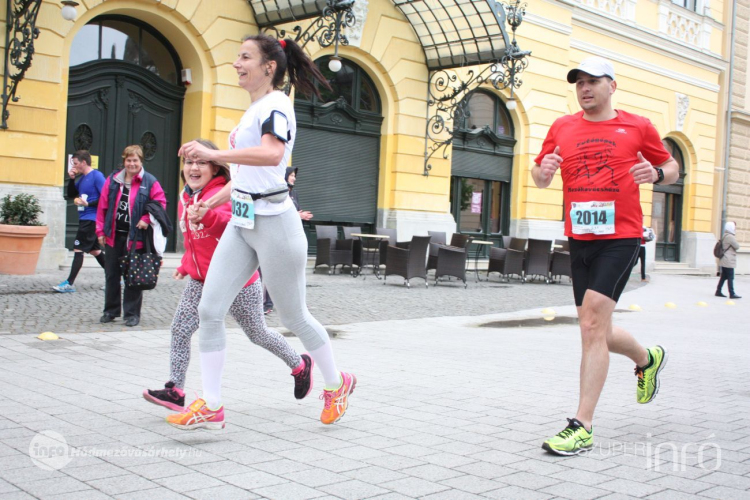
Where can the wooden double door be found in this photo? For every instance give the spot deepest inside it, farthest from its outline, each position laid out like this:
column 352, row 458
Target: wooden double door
column 111, row 105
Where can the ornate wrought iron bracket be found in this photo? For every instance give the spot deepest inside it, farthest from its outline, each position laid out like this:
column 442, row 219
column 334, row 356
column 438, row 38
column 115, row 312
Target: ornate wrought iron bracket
column 21, row 31
column 327, row 29
column 448, row 89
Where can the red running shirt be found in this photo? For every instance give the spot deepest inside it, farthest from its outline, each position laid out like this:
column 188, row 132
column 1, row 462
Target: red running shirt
column 597, row 158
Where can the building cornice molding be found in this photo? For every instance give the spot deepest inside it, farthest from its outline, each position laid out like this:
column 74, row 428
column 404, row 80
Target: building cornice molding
column 652, row 40
column 639, row 63
column 740, row 115
column 548, row 23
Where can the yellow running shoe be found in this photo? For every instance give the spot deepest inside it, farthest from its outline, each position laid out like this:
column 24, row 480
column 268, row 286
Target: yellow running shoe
column 198, row 416
column 648, row 376
column 336, row 402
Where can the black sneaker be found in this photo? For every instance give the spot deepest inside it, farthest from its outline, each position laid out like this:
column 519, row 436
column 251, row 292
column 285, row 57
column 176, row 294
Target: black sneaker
column 170, row 397
column 106, row 318
column 734, row 296
column 303, row 381
column 719, row 294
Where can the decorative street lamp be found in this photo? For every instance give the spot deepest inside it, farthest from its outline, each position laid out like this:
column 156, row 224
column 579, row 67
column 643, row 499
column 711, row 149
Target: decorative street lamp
column 327, row 29
column 20, row 33
column 447, row 92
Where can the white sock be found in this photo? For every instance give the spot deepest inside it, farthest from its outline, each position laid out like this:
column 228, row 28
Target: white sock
column 212, row 368
column 323, row 357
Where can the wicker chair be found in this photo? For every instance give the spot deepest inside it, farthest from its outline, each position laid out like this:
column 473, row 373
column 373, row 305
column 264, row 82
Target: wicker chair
column 451, row 259
column 560, row 264
column 357, row 245
column 408, row 262
column 564, row 245
column 538, row 259
column 391, row 233
column 506, row 262
column 332, row 252
column 438, row 239
column 506, row 241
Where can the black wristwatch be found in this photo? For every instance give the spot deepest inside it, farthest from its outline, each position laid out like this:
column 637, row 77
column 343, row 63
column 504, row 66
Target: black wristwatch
column 660, row 174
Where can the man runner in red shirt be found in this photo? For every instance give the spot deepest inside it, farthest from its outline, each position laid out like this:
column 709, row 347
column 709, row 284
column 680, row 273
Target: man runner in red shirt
column 603, row 155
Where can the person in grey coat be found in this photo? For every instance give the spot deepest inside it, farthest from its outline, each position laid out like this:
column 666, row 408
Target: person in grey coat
column 729, row 261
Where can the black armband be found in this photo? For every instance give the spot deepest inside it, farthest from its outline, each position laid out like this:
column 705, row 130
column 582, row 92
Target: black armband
column 72, row 190
column 277, row 125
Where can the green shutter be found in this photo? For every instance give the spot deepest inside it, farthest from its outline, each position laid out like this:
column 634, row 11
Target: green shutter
column 338, row 175
column 481, row 166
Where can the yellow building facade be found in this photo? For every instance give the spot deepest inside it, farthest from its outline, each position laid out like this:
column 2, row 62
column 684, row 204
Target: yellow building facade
column 671, row 63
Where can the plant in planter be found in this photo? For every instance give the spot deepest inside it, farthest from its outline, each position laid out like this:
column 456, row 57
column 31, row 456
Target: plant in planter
column 24, row 210
column 21, row 234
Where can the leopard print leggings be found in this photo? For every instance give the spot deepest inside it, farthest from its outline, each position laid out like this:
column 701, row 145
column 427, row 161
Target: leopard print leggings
column 247, row 310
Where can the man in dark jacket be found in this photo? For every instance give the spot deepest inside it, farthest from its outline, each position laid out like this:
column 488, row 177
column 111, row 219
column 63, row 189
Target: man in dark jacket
column 85, row 194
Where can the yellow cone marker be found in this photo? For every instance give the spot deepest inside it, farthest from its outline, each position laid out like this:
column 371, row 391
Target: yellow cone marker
column 730, row 302
column 48, row 336
column 670, row 305
column 548, row 311
column 702, row 304
column 634, row 307
column 549, row 318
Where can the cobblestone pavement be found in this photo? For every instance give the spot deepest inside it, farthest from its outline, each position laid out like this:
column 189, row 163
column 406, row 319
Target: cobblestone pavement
column 445, row 408
column 29, row 305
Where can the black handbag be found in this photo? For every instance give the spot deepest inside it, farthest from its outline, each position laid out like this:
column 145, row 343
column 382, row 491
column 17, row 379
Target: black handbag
column 140, row 270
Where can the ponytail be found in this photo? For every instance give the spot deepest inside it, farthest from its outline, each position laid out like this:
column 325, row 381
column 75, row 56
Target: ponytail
column 291, row 59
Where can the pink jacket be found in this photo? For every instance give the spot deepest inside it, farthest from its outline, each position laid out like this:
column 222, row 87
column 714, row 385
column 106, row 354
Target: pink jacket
column 202, row 239
column 157, row 193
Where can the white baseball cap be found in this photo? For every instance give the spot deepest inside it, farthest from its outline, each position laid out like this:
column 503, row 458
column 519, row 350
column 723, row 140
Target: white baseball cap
column 594, row 66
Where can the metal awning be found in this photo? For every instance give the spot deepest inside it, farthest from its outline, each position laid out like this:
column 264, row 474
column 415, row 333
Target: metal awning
column 271, row 12
column 453, row 33
column 457, row 32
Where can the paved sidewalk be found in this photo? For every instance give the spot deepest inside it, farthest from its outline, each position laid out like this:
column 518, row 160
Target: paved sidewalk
column 29, row 305
column 445, row 408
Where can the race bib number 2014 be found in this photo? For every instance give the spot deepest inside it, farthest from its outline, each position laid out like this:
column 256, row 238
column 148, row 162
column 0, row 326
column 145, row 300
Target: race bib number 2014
column 243, row 210
column 593, row 217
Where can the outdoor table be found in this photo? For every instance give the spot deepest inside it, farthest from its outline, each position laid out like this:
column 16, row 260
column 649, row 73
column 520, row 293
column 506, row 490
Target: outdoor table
column 480, row 244
column 370, row 253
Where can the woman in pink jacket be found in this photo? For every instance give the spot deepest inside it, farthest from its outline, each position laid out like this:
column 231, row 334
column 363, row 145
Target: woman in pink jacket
column 121, row 216
column 202, row 180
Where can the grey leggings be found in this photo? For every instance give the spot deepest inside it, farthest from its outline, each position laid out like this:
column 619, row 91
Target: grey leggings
column 246, row 309
column 278, row 244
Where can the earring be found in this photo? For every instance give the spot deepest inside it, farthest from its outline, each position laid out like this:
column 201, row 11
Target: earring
column 266, row 72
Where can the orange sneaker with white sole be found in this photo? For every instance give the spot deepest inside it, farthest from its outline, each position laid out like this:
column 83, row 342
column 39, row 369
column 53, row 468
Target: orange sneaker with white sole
column 198, row 416
column 336, row 402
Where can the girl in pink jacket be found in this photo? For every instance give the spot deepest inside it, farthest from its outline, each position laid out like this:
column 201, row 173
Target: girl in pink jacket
column 201, row 230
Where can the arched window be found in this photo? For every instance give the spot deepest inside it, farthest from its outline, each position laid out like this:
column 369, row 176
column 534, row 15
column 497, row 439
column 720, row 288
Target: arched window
column 666, row 210
column 337, row 149
column 484, row 110
column 126, row 39
column 351, row 84
column 676, row 153
column 481, row 166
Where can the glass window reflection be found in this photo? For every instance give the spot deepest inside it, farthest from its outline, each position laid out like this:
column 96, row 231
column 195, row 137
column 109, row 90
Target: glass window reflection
column 85, row 45
column 126, row 41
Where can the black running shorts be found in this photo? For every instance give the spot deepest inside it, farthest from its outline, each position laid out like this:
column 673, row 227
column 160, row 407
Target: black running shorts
column 602, row 265
column 86, row 240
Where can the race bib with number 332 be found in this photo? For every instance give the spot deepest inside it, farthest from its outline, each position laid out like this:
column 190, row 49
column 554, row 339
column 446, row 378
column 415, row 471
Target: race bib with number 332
column 243, row 210
column 593, row 217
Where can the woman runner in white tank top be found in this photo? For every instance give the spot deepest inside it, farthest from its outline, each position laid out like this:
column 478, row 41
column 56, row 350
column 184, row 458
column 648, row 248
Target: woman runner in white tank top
column 265, row 229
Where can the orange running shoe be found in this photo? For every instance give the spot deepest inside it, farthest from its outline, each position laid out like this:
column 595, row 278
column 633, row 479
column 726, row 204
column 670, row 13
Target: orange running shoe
column 336, row 402
column 198, row 416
